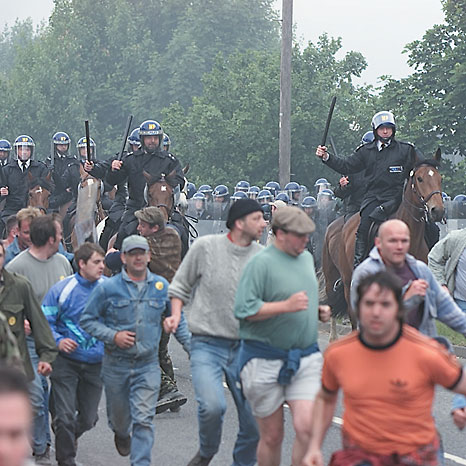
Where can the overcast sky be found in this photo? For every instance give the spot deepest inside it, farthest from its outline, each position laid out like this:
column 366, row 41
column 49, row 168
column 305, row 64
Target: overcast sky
column 379, row 30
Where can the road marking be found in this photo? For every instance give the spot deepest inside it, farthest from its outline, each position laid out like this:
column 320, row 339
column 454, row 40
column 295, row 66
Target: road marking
column 448, row 456
column 454, row 458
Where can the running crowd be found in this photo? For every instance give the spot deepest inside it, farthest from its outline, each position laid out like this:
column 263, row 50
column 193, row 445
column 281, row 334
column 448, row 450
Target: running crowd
column 253, row 324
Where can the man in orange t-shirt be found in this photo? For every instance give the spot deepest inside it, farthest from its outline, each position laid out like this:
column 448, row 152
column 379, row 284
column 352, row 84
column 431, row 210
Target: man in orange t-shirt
column 388, row 372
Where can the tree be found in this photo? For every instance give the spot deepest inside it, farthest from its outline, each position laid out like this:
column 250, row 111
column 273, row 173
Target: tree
column 231, row 130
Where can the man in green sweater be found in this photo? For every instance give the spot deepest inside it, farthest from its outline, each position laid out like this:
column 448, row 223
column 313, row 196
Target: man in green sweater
column 205, row 284
column 277, row 306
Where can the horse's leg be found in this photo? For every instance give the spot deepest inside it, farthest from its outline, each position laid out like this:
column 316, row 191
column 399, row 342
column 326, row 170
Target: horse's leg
column 333, row 329
column 346, row 257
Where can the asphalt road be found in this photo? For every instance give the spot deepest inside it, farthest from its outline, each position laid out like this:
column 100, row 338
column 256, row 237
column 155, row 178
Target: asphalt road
column 176, row 433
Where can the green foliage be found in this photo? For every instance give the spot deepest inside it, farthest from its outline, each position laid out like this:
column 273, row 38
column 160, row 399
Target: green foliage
column 103, row 60
column 431, row 103
column 231, row 131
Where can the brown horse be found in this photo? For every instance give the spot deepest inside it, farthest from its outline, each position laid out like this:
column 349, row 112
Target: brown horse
column 160, row 193
column 39, row 190
column 422, row 200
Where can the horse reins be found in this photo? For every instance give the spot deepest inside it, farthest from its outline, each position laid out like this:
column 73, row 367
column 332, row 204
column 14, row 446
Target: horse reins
column 424, row 200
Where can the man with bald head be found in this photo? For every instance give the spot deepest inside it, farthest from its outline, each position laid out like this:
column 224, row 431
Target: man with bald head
column 424, row 299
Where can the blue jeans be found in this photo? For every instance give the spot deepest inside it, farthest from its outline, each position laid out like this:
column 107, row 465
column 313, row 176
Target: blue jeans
column 461, row 304
column 39, row 394
column 211, row 359
column 459, row 401
column 132, row 389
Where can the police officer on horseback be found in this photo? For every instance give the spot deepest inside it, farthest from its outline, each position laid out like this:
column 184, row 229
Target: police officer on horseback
column 149, row 158
column 14, row 176
column 58, row 162
column 388, row 163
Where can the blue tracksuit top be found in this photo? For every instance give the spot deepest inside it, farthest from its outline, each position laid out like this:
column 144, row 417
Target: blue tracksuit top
column 63, row 306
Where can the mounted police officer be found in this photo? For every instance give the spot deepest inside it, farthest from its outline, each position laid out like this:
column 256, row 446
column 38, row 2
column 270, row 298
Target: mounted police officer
column 388, row 163
column 14, row 176
column 150, row 158
column 116, row 210
column 58, row 162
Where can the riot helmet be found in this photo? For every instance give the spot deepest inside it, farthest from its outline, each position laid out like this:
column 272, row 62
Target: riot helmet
column 199, row 200
column 304, row 190
column 325, row 198
column 242, row 186
column 321, row 184
column 82, row 149
column 273, row 187
column 293, row 189
column 380, row 119
column 5, row 149
column 61, row 144
column 309, row 204
column 191, row 190
column 253, row 191
column 239, row 195
column 368, row 137
column 264, row 197
column 134, row 142
column 24, row 147
column 149, row 129
column 206, row 189
column 166, row 142
column 220, row 193
column 283, row 197
column 445, row 197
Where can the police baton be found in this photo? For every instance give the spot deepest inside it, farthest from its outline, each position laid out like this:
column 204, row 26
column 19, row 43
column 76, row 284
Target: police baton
column 88, row 141
column 52, row 153
column 128, row 126
column 329, row 119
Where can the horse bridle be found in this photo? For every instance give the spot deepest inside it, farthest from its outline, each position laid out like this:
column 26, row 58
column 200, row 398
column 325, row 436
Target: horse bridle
column 424, row 210
column 38, row 191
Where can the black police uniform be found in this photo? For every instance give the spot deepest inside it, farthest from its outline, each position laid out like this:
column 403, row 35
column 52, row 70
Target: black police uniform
column 385, row 172
column 60, row 195
column 16, row 180
column 352, row 194
column 158, row 163
column 117, row 208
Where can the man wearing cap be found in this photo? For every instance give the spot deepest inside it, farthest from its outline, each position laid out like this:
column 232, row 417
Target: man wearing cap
column 165, row 258
column 277, row 306
column 125, row 312
column 212, row 267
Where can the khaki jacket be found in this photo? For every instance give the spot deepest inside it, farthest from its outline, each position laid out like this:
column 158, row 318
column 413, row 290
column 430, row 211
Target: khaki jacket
column 17, row 303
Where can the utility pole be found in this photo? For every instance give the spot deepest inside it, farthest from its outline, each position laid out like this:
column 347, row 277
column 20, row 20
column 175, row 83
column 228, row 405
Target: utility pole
column 284, row 150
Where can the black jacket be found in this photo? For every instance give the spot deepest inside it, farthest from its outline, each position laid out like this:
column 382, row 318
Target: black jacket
column 17, row 183
column 352, row 194
column 134, row 164
column 60, row 195
column 386, row 170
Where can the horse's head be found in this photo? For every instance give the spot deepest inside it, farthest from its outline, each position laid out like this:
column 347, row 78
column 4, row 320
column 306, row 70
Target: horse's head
column 159, row 192
column 426, row 184
column 39, row 190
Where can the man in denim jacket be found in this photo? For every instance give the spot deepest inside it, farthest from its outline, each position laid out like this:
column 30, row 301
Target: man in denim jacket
column 125, row 312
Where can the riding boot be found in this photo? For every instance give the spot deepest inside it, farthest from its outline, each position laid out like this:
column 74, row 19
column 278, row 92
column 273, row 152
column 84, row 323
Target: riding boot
column 360, row 249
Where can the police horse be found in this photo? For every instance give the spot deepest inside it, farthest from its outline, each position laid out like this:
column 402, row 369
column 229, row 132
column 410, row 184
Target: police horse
column 159, row 192
column 422, row 201
column 39, row 190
